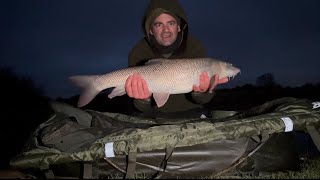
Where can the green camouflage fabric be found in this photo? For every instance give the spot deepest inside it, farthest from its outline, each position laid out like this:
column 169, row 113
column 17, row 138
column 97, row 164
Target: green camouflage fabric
column 66, row 138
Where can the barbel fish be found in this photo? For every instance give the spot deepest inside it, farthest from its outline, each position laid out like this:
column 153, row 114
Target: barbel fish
column 163, row 77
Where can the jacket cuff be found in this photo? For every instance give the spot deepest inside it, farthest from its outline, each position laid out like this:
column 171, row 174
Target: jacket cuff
column 143, row 105
column 202, row 98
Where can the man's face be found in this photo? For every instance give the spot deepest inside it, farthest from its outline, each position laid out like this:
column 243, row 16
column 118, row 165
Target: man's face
column 165, row 29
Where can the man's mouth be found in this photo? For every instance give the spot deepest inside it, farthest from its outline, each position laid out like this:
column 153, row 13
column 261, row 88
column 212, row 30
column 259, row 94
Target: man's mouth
column 166, row 35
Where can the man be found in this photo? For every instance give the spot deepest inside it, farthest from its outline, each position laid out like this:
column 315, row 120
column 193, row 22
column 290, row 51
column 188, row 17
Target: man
column 166, row 36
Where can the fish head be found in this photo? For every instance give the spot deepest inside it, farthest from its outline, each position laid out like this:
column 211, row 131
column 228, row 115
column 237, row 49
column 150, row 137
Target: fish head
column 227, row 70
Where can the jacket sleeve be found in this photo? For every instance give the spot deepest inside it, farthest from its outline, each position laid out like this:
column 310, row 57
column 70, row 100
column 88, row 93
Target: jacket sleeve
column 195, row 48
column 140, row 53
column 143, row 105
column 202, row 98
column 133, row 58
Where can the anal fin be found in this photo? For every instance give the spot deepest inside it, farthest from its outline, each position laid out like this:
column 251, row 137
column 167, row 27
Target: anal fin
column 161, row 98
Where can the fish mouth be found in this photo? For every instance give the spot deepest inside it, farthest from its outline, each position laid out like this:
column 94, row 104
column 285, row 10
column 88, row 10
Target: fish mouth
column 230, row 77
column 233, row 75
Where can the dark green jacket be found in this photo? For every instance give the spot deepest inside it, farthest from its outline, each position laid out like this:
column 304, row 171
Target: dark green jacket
column 190, row 47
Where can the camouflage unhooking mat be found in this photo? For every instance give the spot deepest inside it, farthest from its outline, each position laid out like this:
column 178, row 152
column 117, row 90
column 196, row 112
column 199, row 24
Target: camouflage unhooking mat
column 89, row 144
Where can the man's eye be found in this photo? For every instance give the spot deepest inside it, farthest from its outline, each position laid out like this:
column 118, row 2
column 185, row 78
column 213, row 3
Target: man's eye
column 157, row 25
column 172, row 23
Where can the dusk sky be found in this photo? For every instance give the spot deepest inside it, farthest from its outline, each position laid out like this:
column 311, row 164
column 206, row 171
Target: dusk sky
column 50, row 40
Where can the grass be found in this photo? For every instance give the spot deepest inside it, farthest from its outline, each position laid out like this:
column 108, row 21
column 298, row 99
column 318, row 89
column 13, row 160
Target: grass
column 309, row 170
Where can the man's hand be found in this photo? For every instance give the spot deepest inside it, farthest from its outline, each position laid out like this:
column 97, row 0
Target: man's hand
column 136, row 87
column 205, row 82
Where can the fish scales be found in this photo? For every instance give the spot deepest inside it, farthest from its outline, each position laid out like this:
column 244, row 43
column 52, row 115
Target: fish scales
column 182, row 75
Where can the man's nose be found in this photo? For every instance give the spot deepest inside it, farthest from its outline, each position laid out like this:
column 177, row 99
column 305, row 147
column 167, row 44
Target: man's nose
column 166, row 28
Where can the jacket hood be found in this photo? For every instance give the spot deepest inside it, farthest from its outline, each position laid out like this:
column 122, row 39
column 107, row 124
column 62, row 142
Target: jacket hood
column 156, row 7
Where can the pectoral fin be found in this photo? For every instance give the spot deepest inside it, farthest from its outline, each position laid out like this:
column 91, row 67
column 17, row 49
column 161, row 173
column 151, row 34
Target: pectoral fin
column 161, row 98
column 117, row 91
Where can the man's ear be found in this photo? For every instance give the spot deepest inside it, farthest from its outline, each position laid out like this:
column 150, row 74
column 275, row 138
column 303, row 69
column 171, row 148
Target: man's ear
column 179, row 29
column 150, row 32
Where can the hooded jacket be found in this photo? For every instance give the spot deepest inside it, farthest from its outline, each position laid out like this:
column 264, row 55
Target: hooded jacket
column 188, row 47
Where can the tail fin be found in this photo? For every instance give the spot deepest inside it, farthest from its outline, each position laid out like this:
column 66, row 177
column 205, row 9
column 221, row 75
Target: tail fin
column 88, row 90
